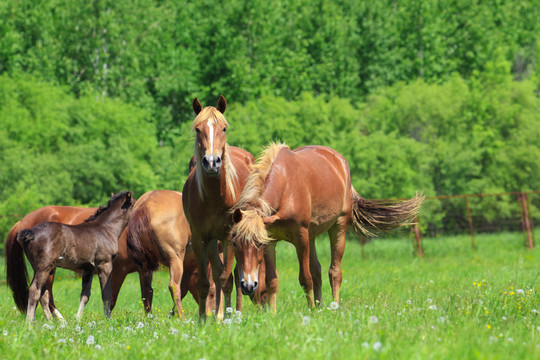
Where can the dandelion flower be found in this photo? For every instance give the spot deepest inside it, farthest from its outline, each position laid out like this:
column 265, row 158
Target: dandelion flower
column 227, row 321
column 238, row 313
column 441, row 319
column 97, row 347
column 140, row 325
column 237, row 320
column 365, row 345
column 377, row 346
column 229, row 310
column 429, row 301
column 433, row 307
column 90, row 340
column 306, row 320
column 520, row 292
column 534, row 311
column 334, row 305
column 373, row 319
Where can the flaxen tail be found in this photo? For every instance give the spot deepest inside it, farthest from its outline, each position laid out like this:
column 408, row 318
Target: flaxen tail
column 371, row 217
column 141, row 240
column 16, row 273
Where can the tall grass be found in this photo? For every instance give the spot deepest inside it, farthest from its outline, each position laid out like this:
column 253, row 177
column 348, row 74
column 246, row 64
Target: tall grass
column 455, row 303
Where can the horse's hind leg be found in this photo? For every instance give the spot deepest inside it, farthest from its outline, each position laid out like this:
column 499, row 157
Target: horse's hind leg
column 176, row 270
column 302, row 252
column 51, row 305
column 337, row 247
column 272, row 282
column 147, row 292
column 104, row 273
column 36, row 290
column 315, row 268
column 87, row 276
column 44, row 300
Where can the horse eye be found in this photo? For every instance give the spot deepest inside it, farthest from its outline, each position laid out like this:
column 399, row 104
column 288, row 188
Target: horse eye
column 259, row 245
column 225, row 129
column 198, row 131
column 234, row 244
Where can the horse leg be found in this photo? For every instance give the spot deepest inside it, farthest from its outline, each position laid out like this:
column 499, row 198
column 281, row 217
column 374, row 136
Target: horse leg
column 52, row 306
column 176, row 270
column 302, row 252
column 227, row 280
column 315, row 269
column 118, row 275
column 87, row 277
column 35, row 292
column 203, row 285
column 337, row 247
column 147, row 292
column 44, row 300
column 238, row 291
column 104, row 274
column 217, row 271
column 272, row 283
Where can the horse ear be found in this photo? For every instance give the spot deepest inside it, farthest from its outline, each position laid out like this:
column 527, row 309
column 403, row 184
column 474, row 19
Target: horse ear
column 222, row 104
column 197, row 107
column 237, row 216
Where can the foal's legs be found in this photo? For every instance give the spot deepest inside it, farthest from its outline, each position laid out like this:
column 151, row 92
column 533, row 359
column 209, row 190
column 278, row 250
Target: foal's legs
column 44, row 300
column 315, row 268
column 35, row 292
column 302, row 252
column 104, row 272
column 87, row 276
column 337, row 234
column 272, row 283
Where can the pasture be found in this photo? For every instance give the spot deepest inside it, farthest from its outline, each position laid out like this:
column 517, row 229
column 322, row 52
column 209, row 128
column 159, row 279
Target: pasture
column 454, row 303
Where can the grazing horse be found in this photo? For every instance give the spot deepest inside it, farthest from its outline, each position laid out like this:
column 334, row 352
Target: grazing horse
column 210, row 191
column 295, row 195
column 89, row 247
column 158, row 233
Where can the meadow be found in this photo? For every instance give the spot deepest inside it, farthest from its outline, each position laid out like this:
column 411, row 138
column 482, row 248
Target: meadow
column 453, row 303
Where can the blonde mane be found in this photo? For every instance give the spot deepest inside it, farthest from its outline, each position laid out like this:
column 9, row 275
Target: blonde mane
column 215, row 118
column 251, row 228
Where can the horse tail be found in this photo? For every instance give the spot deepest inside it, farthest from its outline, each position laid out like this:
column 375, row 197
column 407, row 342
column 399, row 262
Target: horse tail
column 370, row 217
column 141, row 239
column 16, row 273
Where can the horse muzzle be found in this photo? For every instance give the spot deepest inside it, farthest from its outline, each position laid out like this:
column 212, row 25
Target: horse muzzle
column 248, row 287
column 212, row 164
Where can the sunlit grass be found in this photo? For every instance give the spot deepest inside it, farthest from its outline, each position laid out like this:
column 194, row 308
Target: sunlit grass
column 455, row 303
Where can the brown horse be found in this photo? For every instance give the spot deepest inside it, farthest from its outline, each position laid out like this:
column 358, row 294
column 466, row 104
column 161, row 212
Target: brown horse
column 158, row 233
column 122, row 263
column 295, row 196
column 210, row 191
column 68, row 215
column 89, row 247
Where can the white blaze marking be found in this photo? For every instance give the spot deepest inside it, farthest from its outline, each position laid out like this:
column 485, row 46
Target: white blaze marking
column 249, row 279
column 211, row 139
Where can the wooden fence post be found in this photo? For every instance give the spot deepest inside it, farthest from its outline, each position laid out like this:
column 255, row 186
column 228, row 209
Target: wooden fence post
column 469, row 218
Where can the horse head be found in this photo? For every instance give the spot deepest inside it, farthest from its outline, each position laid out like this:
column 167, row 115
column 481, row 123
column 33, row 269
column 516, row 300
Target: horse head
column 210, row 126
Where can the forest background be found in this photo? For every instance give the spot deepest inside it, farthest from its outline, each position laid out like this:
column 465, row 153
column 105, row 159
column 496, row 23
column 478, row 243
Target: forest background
column 433, row 96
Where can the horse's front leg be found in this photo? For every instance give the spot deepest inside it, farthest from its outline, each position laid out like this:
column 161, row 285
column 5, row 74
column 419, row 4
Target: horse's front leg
column 104, row 270
column 272, row 282
column 302, row 252
column 226, row 278
column 217, row 274
column 87, row 277
column 176, row 270
column 203, row 285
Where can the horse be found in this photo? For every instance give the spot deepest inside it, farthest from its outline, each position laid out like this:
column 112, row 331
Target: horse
column 158, row 233
column 296, row 195
column 89, row 247
column 122, row 263
column 210, row 191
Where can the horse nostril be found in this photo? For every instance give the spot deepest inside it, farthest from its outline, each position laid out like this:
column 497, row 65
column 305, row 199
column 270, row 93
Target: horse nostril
column 218, row 161
column 205, row 162
column 255, row 284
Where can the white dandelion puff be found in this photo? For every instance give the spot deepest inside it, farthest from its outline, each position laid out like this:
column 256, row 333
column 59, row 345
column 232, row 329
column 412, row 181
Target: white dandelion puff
column 306, row 320
column 433, row 307
column 140, row 325
column 365, row 345
column 229, row 310
column 373, row 319
column 227, row 322
column 334, row 305
column 520, row 292
column 97, row 347
column 377, row 346
column 90, row 340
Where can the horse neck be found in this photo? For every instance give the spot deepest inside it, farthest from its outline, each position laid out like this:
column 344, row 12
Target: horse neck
column 215, row 190
column 113, row 223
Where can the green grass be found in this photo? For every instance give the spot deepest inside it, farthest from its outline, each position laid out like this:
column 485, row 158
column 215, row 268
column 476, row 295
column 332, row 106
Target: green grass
column 453, row 304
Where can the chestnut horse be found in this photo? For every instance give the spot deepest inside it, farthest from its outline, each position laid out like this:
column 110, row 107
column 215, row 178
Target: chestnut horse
column 158, row 233
column 295, row 195
column 89, row 247
column 210, row 191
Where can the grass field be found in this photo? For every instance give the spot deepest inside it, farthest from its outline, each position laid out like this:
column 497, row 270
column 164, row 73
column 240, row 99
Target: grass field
column 455, row 303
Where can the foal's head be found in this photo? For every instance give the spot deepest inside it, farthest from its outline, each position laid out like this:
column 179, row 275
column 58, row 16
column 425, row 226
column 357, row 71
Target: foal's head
column 210, row 126
column 120, row 205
